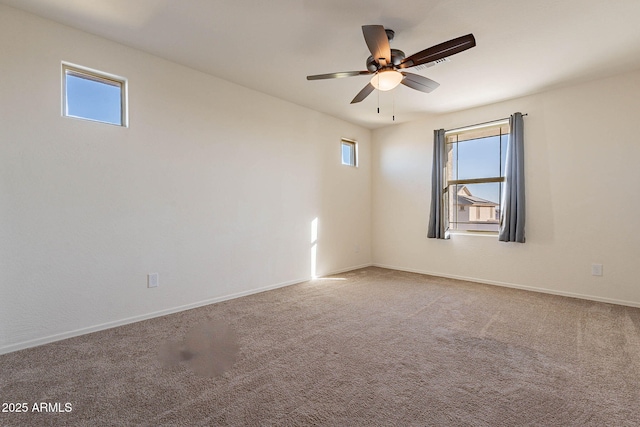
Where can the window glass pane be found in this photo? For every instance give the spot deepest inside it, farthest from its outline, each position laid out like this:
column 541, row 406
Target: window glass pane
column 348, row 153
column 479, row 158
column 477, row 132
column 504, row 141
column 452, row 161
column 89, row 98
column 488, row 192
column 475, row 207
column 446, row 209
column 453, row 206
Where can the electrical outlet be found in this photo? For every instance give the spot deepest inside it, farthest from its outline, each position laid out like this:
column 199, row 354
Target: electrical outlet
column 356, row 248
column 596, row 269
column 153, row 280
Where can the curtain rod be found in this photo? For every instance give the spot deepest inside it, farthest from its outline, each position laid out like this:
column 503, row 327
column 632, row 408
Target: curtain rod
column 480, row 124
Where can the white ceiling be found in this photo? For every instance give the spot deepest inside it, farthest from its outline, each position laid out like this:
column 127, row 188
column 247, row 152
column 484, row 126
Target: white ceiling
column 523, row 46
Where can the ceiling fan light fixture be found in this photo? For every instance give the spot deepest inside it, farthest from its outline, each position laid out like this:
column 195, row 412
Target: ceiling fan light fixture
column 386, row 80
column 384, row 63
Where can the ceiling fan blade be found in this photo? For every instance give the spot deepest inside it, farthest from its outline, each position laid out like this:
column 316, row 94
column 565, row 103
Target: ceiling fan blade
column 420, row 83
column 338, row 75
column 439, row 51
column 363, row 93
column 377, row 42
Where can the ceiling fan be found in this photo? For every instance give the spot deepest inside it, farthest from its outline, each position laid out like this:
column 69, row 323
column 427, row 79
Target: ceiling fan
column 384, row 63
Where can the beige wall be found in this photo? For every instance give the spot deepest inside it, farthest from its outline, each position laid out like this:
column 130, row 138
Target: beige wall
column 582, row 172
column 213, row 186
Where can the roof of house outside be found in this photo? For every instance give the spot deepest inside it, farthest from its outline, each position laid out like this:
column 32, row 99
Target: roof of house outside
column 464, row 197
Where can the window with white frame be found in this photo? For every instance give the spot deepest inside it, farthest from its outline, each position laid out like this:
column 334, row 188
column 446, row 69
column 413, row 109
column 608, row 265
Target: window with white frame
column 93, row 95
column 349, row 152
column 474, row 176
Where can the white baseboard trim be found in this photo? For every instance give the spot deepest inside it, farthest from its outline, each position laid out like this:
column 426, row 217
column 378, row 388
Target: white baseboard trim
column 515, row 286
column 82, row 331
column 108, row 325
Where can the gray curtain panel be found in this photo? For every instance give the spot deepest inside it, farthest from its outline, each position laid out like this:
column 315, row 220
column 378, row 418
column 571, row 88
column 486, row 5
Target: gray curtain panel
column 436, row 220
column 512, row 214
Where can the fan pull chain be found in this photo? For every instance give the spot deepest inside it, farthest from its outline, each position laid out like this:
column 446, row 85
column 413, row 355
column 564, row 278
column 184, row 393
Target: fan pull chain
column 378, row 93
column 393, row 111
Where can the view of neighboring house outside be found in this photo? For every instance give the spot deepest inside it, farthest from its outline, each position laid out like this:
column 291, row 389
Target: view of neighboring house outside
column 468, row 212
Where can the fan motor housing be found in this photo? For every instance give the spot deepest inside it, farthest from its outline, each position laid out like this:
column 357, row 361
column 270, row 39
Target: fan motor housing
column 396, row 58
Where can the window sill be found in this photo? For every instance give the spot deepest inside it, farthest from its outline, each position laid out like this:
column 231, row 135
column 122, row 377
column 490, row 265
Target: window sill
column 474, row 233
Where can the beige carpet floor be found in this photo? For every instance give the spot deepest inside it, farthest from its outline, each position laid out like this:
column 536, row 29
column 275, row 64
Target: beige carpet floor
column 365, row 348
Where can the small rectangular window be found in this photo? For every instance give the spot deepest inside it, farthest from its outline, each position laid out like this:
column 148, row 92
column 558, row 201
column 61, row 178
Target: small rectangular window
column 349, row 152
column 93, row 95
